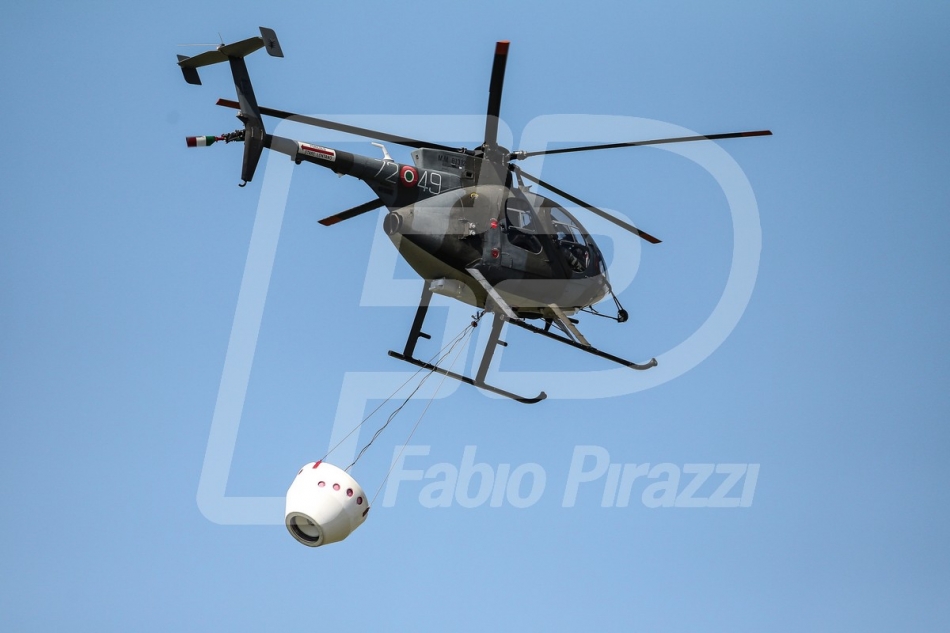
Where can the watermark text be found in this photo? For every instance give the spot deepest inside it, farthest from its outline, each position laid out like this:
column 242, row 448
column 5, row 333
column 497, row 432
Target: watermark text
column 590, row 474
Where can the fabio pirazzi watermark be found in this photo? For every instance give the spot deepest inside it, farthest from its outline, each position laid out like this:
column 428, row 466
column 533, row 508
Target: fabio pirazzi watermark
column 590, row 475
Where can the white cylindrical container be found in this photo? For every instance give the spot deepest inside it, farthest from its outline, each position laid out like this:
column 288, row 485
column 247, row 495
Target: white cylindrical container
column 324, row 505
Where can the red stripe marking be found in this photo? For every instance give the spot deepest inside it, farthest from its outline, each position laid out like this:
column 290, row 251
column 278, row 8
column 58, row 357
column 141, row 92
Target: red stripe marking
column 317, row 464
column 317, row 150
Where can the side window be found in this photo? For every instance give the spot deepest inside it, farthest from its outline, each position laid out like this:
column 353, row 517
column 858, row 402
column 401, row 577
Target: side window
column 570, row 241
column 519, row 214
column 521, row 228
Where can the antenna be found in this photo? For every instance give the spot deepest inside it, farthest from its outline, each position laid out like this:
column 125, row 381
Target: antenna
column 386, row 155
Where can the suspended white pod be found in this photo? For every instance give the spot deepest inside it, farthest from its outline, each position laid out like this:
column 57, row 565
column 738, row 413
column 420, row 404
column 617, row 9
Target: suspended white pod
column 324, row 505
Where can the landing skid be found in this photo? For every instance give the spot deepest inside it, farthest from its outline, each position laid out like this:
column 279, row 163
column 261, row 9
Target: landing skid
column 498, row 320
column 587, row 348
column 469, row 381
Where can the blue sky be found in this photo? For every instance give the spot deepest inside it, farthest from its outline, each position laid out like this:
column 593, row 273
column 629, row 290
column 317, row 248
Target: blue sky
column 123, row 255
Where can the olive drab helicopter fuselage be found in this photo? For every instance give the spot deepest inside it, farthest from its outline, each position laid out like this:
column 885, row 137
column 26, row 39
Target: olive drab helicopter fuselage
column 463, row 219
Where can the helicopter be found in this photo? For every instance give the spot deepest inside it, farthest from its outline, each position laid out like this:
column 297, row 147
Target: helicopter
column 464, row 219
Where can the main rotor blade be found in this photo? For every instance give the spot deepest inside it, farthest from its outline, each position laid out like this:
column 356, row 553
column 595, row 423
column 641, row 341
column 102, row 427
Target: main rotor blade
column 494, row 92
column 342, row 127
column 352, row 213
column 659, row 141
column 589, row 207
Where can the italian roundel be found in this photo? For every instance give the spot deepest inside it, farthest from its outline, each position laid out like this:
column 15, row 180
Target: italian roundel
column 408, row 176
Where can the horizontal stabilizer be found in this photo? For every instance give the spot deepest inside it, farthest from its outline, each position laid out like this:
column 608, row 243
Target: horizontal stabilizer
column 366, row 207
column 267, row 39
column 242, row 48
column 202, row 59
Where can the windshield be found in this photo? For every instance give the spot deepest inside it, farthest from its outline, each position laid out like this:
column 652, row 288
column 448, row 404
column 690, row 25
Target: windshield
column 565, row 227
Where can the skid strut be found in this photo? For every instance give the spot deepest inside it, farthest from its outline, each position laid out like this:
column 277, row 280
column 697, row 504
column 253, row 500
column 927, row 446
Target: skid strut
column 479, row 381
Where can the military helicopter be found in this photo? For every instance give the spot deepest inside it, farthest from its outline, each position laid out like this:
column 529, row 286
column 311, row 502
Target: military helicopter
column 463, row 219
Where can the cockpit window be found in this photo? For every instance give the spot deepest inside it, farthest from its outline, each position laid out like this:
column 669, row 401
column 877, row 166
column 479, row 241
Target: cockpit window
column 567, row 232
column 564, row 227
column 570, row 240
column 521, row 226
column 519, row 214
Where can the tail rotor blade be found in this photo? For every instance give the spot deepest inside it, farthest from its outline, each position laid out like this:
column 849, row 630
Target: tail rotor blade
column 589, row 207
column 494, row 92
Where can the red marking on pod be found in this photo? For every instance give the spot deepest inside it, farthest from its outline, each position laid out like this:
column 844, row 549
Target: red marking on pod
column 315, row 464
column 408, row 176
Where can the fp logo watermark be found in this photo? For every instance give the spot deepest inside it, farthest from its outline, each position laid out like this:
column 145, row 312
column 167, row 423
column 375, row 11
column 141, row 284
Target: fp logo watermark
column 382, row 288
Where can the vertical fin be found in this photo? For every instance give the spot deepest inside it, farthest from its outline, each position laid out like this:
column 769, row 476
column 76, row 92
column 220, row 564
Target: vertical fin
column 271, row 44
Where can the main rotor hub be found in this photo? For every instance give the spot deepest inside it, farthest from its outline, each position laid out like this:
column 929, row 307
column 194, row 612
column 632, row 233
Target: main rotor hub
column 494, row 153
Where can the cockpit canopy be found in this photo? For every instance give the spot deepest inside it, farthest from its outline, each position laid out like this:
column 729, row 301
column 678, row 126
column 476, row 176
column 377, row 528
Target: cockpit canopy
column 554, row 219
column 534, row 215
